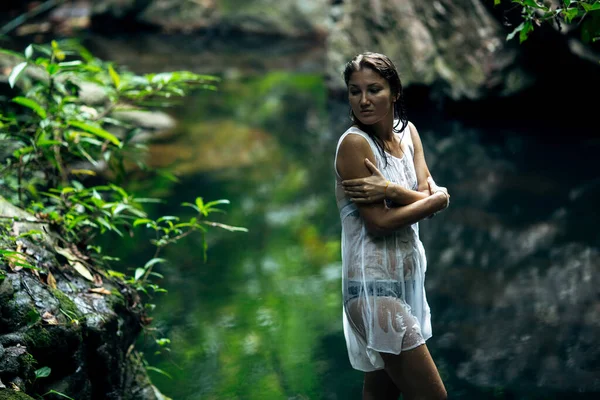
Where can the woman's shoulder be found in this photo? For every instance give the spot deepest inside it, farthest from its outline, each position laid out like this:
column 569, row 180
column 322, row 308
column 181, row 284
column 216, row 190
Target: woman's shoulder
column 353, row 134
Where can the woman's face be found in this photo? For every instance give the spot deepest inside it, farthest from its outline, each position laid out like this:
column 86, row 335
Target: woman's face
column 370, row 96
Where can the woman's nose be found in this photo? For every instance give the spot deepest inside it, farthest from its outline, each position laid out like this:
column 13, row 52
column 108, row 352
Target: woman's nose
column 363, row 99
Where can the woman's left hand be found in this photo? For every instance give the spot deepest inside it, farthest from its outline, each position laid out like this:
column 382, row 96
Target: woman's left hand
column 366, row 190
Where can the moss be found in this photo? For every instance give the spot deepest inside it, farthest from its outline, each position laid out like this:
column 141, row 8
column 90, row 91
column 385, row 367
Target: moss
column 39, row 338
column 6, row 394
column 66, row 304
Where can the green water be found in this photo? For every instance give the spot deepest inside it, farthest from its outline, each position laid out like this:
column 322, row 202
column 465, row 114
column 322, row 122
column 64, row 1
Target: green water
column 261, row 319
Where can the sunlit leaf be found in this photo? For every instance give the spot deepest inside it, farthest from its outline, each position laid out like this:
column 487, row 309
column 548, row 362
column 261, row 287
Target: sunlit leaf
column 154, row 261
column 230, row 228
column 114, row 76
column 29, row 103
column 83, row 271
column 96, row 131
column 29, row 51
column 83, row 172
column 16, row 73
column 43, row 372
column 139, row 272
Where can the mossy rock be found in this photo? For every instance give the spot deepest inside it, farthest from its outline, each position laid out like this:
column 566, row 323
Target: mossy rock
column 7, row 394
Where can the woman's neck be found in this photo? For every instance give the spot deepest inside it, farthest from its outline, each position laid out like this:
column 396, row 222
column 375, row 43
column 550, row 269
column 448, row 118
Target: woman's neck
column 383, row 129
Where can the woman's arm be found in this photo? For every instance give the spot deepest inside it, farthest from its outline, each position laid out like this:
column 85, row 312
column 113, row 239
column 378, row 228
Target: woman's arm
column 380, row 220
column 376, row 188
column 419, row 159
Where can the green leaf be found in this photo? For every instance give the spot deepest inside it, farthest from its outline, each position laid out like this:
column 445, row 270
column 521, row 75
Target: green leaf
column 229, row 228
column 570, row 14
column 528, row 27
column 96, row 131
column 29, row 51
column 139, row 272
column 43, row 372
column 167, row 218
column 211, row 204
column 115, row 274
column 52, row 391
column 52, row 68
column 114, row 76
column 12, row 53
column 141, row 221
column 23, row 150
column 590, row 7
column 160, row 371
column 154, row 261
column 24, row 101
column 16, row 73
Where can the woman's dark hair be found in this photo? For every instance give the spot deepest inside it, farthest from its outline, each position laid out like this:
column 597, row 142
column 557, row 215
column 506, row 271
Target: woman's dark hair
column 381, row 64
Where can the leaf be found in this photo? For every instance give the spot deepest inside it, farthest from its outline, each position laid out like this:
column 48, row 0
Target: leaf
column 570, row 14
column 160, row 371
column 83, row 172
column 115, row 274
column 114, row 76
column 43, row 372
column 159, row 395
column 96, row 131
column 52, row 391
column 528, row 27
column 139, row 272
column 141, row 221
column 29, row 51
column 154, row 261
column 83, row 271
column 515, row 31
column 16, row 73
column 24, row 101
column 50, row 280
column 12, row 53
column 211, row 204
column 75, row 263
column 100, row 290
column 49, row 318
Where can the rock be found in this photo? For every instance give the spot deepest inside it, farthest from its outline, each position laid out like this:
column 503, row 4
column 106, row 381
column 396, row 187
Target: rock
column 7, row 394
column 455, row 46
column 83, row 337
column 264, row 17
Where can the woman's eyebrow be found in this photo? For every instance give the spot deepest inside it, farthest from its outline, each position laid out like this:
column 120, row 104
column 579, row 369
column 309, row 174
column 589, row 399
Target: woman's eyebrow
column 370, row 84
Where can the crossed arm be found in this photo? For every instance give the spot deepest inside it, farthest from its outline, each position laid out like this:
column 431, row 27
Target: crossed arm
column 355, row 162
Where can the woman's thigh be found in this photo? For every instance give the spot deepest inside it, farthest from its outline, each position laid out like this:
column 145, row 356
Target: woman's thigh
column 415, row 373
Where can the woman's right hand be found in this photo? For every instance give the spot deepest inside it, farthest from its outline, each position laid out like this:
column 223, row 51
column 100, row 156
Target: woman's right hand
column 434, row 188
column 366, row 190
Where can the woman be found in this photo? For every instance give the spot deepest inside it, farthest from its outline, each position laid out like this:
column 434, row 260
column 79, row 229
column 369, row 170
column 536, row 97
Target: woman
column 383, row 188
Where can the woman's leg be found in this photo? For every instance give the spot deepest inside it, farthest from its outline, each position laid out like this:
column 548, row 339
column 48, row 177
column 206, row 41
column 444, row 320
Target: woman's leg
column 415, row 372
column 379, row 386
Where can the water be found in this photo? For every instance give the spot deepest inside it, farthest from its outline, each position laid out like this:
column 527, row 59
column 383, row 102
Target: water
column 261, row 319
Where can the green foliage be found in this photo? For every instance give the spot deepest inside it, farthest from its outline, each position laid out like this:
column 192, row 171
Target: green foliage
column 66, row 161
column 585, row 13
